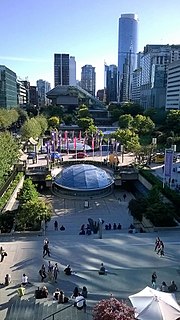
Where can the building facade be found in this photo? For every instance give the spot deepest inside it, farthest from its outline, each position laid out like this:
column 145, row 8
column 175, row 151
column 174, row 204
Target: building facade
column 33, row 96
column 72, row 71
column 42, row 88
column 88, row 79
column 8, row 88
column 111, row 81
column 61, row 69
column 173, row 86
column 127, row 53
column 21, row 95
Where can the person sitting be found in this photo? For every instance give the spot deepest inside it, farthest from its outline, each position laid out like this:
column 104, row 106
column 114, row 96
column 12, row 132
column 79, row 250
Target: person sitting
column 82, row 230
column 24, row 279
column 68, row 270
column 102, row 269
column 172, row 287
column 75, row 292
column 106, row 227
column 62, row 228
column 164, row 287
column 119, row 227
column 56, row 294
column 114, row 226
column 84, row 292
column 110, row 227
column 7, row 279
column 44, row 292
column 80, row 302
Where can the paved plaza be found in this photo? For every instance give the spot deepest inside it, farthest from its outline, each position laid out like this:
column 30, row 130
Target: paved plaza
column 129, row 258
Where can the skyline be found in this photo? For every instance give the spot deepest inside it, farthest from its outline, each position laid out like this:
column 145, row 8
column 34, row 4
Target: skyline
column 86, row 29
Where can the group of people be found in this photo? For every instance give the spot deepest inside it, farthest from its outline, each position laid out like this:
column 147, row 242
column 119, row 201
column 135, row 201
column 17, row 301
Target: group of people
column 163, row 287
column 159, row 247
column 85, row 230
column 51, row 272
column 56, row 226
column 113, row 226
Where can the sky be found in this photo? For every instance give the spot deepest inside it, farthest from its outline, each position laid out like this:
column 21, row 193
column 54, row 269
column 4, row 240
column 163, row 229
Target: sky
column 32, row 31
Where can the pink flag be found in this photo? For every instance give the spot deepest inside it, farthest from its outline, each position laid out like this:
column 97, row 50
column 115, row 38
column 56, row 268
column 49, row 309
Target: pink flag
column 75, row 143
column 92, row 143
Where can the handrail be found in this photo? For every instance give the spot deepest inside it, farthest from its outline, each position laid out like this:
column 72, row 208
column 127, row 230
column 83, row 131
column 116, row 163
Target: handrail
column 53, row 314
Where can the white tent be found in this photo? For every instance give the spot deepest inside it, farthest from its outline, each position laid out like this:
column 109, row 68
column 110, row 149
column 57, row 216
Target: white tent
column 79, row 146
column 152, row 304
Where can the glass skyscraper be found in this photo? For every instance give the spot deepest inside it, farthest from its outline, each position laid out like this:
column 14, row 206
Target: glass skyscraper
column 8, row 88
column 127, row 53
column 61, row 69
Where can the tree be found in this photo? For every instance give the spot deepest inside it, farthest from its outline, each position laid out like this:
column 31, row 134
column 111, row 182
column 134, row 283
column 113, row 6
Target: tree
column 43, row 123
column 31, row 128
column 68, row 119
column 173, row 120
column 132, row 108
column 125, row 121
column 85, row 123
column 83, row 112
column 9, row 154
column 113, row 309
column 28, row 192
column 143, row 124
column 53, row 122
column 137, row 207
column 128, row 138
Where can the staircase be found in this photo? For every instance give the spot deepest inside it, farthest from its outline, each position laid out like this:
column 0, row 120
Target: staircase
column 32, row 309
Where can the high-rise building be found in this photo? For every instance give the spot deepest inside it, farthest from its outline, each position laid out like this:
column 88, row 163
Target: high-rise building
column 33, row 96
column 61, row 69
column 88, row 79
column 111, row 83
column 173, row 86
column 72, row 71
column 21, row 95
column 42, row 88
column 8, row 88
column 127, row 54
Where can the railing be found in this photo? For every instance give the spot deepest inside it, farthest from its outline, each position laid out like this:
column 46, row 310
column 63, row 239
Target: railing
column 51, row 316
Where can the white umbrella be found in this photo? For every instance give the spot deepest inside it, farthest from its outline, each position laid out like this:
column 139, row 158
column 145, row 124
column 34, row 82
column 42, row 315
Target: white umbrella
column 151, row 304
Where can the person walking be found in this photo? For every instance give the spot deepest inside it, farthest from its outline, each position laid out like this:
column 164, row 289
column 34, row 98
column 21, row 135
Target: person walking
column 161, row 249
column 55, row 225
column 46, row 250
column 153, row 280
column 55, row 272
column 124, row 197
column 42, row 273
column 157, row 243
column 50, row 271
column 3, row 253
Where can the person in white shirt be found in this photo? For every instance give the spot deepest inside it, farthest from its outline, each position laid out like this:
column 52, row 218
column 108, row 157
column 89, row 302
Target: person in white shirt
column 24, row 279
column 80, row 302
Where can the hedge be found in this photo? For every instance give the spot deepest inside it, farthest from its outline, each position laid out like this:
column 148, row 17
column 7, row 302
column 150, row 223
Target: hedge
column 6, row 196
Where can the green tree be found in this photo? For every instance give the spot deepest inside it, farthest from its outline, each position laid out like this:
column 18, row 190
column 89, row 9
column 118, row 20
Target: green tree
column 92, row 130
column 143, row 124
column 128, row 138
column 137, row 207
column 68, row 119
column 53, row 122
column 9, row 154
column 173, row 120
column 83, row 112
column 43, row 123
column 28, row 192
column 132, row 108
column 31, row 128
column 125, row 121
column 85, row 123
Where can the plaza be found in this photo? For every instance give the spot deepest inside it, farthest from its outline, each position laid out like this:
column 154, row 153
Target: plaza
column 129, row 258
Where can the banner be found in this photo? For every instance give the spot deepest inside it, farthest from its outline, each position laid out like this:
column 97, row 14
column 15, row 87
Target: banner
column 75, row 143
column 168, row 164
column 92, row 143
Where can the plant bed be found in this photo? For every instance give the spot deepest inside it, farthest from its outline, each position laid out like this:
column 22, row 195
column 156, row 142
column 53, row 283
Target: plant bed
column 7, row 221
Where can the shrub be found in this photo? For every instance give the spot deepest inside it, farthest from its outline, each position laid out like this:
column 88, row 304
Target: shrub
column 113, row 309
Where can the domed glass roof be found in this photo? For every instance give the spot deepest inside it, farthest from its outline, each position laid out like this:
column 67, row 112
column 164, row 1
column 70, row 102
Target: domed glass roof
column 83, row 177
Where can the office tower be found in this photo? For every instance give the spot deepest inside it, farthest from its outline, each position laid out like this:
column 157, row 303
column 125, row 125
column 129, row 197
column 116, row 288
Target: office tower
column 72, row 71
column 8, row 88
column 127, row 51
column 42, row 88
column 173, row 86
column 136, row 86
column 21, row 94
column 33, row 96
column 61, row 69
column 88, row 79
column 111, row 83
column 26, row 84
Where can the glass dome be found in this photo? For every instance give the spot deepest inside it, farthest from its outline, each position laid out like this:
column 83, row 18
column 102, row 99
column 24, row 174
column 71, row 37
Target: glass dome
column 83, row 177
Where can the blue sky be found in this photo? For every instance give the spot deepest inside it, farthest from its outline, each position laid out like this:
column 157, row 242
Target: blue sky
column 32, row 31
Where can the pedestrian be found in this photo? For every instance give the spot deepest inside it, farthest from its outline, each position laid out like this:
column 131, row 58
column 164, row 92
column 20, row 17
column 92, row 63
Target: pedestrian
column 153, row 280
column 50, row 271
column 161, row 249
column 55, row 225
column 157, row 243
column 42, row 272
column 124, row 197
column 7, row 279
column 24, row 279
column 46, row 250
column 55, row 272
column 3, row 253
